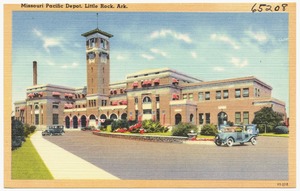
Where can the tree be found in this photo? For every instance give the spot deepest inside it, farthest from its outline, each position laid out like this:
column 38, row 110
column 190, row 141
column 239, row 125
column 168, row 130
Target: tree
column 17, row 134
column 267, row 119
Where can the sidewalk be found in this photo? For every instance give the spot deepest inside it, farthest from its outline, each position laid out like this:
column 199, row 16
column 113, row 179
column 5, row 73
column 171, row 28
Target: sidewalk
column 65, row 165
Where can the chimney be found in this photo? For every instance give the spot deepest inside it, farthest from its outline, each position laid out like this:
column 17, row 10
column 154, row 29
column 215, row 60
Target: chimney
column 34, row 73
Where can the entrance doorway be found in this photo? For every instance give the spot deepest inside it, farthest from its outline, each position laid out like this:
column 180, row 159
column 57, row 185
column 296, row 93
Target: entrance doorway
column 177, row 118
column 222, row 118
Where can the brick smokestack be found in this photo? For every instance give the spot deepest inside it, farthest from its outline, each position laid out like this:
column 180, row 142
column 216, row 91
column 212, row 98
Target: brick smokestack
column 34, row 73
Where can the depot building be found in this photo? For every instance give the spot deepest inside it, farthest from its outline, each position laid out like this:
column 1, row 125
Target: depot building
column 162, row 94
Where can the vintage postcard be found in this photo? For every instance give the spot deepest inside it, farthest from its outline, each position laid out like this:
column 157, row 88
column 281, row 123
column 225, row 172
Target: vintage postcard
column 153, row 95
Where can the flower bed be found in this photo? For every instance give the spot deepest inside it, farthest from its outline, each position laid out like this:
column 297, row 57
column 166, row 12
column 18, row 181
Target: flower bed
column 143, row 137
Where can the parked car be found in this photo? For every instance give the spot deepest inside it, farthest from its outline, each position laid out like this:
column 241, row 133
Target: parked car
column 54, row 130
column 237, row 134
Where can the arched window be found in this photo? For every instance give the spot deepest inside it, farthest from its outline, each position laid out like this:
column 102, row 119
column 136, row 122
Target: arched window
column 67, row 121
column 177, row 118
column 83, row 121
column 113, row 116
column 75, row 122
column 146, row 100
column 124, row 116
column 92, row 117
column 103, row 116
column 191, row 118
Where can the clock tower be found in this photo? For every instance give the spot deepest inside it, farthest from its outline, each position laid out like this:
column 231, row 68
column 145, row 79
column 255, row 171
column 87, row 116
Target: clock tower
column 97, row 61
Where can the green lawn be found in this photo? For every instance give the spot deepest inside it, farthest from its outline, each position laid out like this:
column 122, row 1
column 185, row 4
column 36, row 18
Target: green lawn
column 28, row 165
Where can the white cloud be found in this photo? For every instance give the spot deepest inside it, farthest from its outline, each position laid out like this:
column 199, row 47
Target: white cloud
column 148, row 57
column 194, row 54
column 158, row 51
column 260, row 36
column 50, row 63
column 47, row 41
column 225, row 39
column 238, row 62
column 69, row 66
column 121, row 57
column 167, row 32
column 219, row 69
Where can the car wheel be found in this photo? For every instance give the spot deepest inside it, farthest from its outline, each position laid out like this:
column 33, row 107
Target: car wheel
column 229, row 142
column 253, row 141
column 218, row 143
column 242, row 143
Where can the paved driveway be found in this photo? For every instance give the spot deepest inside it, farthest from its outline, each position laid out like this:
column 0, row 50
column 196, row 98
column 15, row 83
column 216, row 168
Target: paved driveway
column 128, row 159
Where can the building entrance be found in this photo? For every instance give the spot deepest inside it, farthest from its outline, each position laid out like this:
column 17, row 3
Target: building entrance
column 222, row 118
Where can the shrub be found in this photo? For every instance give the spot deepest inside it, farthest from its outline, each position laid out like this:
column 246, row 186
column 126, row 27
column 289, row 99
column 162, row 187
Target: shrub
column 17, row 134
column 106, row 123
column 281, row 130
column 151, row 126
column 120, row 123
column 209, row 129
column 182, row 129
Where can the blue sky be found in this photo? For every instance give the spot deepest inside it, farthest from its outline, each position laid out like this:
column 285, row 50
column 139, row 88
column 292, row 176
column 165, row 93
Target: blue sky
column 209, row 46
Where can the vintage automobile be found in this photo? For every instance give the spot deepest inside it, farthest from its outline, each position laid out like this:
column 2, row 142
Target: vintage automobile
column 237, row 134
column 54, row 130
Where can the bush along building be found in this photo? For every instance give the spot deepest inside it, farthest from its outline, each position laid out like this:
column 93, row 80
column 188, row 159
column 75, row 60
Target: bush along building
column 163, row 95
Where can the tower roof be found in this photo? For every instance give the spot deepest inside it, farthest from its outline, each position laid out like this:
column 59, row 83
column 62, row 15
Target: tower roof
column 97, row 30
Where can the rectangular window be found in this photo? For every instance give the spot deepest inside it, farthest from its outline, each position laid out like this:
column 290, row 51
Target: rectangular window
column 237, row 117
column 246, row 117
column 225, row 94
column 207, row 95
column 157, row 98
column 207, row 118
column 200, row 96
column 237, row 93
column 147, row 111
column 201, row 118
column 218, row 94
column 91, row 43
column 104, row 44
column 55, row 119
column 37, row 119
column 136, row 100
column 246, row 92
column 191, row 96
column 55, row 106
column 255, row 92
column 184, row 96
column 94, row 104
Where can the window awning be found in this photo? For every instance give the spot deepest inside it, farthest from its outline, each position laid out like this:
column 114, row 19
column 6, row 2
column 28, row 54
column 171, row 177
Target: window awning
column 68, row 95
column 114, row 103
column 175, row 96
column 135, row 84
column 68, row 106
column 41, row 93
column 123, row 102
column 174, row 80
column 22, row 108
column 30, row 95
column 156, row 80
column 56, row 93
